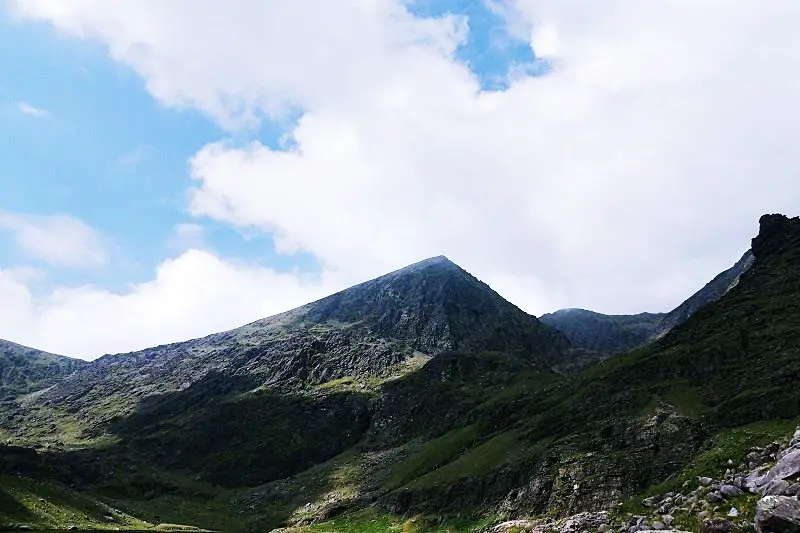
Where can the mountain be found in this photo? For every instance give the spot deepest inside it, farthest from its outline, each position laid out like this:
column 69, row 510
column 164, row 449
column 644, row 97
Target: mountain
column 24, row 370
column 372, row 330
column 608, row 334
column 439, row 412
column 605, row 334
column 215, row 405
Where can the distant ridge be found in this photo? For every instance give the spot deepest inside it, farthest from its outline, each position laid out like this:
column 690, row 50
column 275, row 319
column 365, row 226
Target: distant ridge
column 609, row 334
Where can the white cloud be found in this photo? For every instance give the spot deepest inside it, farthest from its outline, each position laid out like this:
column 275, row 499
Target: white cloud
column 28, row 109
column 621, row 182
column 60, row 240
column 191, row 295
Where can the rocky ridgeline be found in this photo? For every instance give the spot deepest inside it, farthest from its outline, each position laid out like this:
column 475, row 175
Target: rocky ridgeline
column 768, row 487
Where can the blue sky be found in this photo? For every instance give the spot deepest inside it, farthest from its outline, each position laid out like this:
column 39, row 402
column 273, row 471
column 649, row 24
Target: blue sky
column 105, row 151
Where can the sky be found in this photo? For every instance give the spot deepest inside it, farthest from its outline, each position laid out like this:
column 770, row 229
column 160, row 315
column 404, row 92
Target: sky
column 173, row 169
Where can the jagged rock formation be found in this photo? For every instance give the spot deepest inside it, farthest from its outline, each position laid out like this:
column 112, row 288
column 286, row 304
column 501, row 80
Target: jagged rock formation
column 24, row 369
column 609, row 334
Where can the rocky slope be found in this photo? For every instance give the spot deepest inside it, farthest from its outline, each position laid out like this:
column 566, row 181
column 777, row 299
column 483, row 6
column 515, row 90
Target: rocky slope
column 609, row 334
column 368, row 331
column 24, row 370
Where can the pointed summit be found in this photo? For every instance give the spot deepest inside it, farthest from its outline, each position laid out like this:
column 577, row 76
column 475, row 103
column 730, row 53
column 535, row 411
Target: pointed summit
column 427, row 308
column 436, row 306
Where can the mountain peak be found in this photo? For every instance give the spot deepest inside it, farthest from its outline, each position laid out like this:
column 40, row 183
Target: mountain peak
column 439, row 261
column 434, row 306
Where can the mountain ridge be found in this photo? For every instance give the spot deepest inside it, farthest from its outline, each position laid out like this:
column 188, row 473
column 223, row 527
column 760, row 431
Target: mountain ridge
column 608, row 334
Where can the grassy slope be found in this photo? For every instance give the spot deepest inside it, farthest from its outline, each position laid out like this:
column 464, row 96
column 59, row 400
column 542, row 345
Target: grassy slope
column 53, row 505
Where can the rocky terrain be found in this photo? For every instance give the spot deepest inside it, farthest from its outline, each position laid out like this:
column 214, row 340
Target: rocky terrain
column 609, row 334
column 423, row 401
column 761, row 493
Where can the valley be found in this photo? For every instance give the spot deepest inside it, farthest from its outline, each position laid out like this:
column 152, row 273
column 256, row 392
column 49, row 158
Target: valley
column 424, row 401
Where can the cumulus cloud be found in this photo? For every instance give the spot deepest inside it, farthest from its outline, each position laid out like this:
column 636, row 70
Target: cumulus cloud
column 191, row 295
column 28, row 109
column 60, row 240
column 621, row 181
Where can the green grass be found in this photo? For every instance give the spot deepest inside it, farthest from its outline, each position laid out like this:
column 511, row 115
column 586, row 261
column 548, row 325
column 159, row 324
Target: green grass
column 734, row 444
column 477, row 461
column 345, row 382
column 54, row 506
column 433, row 454
column 370, row 521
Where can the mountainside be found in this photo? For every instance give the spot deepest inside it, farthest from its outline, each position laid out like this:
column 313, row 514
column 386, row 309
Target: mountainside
column 372, row 330
column 223, row 405
column 455, row 424
column 24, row 369
column 608, row 334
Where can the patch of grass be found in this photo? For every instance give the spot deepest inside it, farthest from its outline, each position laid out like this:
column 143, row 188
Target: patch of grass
column 345, row 382
column 498, row 450
column 432, row 455
column 734, row 444
column 686, row 399
column 54, row 506
column 369, row 521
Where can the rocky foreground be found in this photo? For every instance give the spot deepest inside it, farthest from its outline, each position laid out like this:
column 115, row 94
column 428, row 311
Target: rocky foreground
column 762, row 495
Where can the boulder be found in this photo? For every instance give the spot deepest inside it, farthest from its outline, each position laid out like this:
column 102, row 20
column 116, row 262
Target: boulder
column 730, row 491
column 778, row 514
column 787, row 466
